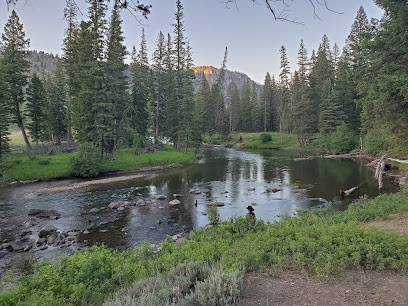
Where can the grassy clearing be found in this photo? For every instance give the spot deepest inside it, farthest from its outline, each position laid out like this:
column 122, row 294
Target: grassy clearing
column 252, row 140
column 30, row 167
column 319, row 242
column 16, row 138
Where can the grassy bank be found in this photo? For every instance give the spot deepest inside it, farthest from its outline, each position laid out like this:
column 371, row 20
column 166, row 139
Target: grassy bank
column 18, row 167
column 319, row 242
column 252, row 140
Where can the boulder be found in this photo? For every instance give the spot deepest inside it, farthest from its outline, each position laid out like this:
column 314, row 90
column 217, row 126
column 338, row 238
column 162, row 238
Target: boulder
column 122, row 208
column 116, row 205
column 47, row 230
column 44, row 213
column 94, row 211
column 19, row 246
column 174, row 202
column 149, row 202
column 161, row 197
column 41, row 241
column 2, row 254
column 140, row 202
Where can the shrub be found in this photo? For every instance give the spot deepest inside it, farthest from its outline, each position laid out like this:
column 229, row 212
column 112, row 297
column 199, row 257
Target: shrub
column 377, row 140
column 213, row 215
column 265, row 137
column 87, row 162
column 341, row 141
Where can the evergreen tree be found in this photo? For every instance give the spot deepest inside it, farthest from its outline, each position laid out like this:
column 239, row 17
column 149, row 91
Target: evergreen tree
column 4, row 115
column 56, row 109
column 246, row 107
column 69, row 58
column 35, row 108
column 284, row 95
column 233, row 106
column 202, row 99
column 159, row 83
column 15, row 67
column 267, row 100
column 117, row 85
column 254, row 102
column 331, row 113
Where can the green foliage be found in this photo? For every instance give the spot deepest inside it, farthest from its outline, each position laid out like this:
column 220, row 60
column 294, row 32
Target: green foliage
column 265, row 137
column 377, row 140
column 322, row 242
column 88, row 161
column 213, row 215
column 341, row 141
column 44, row 162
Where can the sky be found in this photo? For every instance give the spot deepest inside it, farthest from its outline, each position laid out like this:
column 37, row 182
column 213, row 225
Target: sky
column 249, row 30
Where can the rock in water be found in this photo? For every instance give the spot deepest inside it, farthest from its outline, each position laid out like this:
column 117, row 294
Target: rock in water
column 47, row 230
column 44, row 213
column 174, row 202
column 94, row 211
column 161, row 197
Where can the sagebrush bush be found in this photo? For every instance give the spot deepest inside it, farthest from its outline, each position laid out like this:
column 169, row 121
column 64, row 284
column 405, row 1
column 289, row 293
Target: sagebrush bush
column 265, row 137
column 87, row 162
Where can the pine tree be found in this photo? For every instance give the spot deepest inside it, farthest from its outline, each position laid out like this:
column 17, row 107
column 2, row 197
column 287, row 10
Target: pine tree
column 159, row 84
column 284, row 95
column 4, row 115
column 56, row 106
column 202, row 100
column 15, row 67
column 117, row 84
column 267, row 100
column 331, row 113
column 35, row 108
column 141, row 88
column 233, row 106
column 254, row 103
column 69, row 59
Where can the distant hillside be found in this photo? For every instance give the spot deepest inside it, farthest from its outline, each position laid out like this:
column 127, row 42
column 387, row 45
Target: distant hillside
column 211, row 73
column 44, row 63
column 41, row 63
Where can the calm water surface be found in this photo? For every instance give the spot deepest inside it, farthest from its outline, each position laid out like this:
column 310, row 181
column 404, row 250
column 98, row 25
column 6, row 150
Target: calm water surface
column 223, row 175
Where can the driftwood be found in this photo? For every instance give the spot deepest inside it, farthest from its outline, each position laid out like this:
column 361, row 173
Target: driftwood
column 379, row 172
column 399, row 160
column 346, row 193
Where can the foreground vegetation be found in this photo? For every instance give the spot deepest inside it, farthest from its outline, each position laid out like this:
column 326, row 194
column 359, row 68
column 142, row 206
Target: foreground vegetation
column 319, row 242
column 26, row 166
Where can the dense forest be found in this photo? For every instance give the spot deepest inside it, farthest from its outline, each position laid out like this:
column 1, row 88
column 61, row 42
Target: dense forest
column 337, row 96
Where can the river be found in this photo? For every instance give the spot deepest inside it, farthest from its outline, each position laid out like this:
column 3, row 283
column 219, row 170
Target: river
column 275, row 182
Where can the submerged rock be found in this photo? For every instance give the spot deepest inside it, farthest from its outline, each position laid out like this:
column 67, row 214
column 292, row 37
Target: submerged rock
column 174, row 202
column 161, row 197
column 219, row 204
column 94, row 211
column 44, row 213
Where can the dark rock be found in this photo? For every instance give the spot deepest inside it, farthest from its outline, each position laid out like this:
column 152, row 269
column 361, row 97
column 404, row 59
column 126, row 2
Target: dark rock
column 219, row 204
column 44, row 247
column 170, row 221
column 47, row 230
column 161, row 197
column 27, row 248
column 2, row 254
column 26, row 232
column 94, row 211
column 203, row 213
column 18, row 245
column 158, row 222
column 44, row 213
column 177, row 195
column 41, row 241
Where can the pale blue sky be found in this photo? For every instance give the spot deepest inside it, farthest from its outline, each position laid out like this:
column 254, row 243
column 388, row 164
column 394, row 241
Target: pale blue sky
column 252, row 35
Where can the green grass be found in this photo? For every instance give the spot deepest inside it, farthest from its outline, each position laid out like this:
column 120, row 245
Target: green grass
column 252, row 140
column 16, row 138
column 401, row 166
column 17, row 167
column 322, row 242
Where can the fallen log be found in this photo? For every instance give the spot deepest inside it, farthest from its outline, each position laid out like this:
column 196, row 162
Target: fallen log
column 347, row 192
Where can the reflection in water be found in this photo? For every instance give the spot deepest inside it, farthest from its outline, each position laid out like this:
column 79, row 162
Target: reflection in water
column 275, row 182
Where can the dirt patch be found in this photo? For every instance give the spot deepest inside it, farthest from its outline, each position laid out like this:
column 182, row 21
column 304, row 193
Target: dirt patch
column 353, row 288
column 397, row 223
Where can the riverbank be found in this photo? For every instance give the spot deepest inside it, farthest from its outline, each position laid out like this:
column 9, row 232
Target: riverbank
column 321, row 242
column 20, row 167
column 253, row 141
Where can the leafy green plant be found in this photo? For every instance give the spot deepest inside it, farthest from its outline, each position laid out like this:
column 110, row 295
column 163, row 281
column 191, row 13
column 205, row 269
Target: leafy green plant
column 265, row 137
column 341, row 141
column 44, row 162
column 377, row 140
column 87, row 162
column 213, row 215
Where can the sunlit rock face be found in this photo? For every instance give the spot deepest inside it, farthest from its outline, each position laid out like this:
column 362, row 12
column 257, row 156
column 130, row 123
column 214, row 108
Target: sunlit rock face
column 212, row 73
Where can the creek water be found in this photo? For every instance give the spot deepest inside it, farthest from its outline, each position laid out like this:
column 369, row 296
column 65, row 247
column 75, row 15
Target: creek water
column 274, row 182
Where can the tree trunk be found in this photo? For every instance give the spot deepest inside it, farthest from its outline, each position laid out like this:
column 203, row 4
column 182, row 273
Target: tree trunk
column 21, row 124
column 157, row 120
